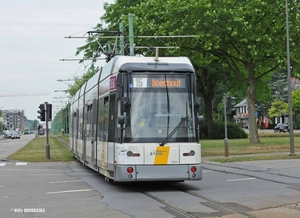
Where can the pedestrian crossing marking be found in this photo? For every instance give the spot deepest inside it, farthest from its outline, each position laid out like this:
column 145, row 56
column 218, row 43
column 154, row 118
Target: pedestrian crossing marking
column 21, row 163
column 16, row 164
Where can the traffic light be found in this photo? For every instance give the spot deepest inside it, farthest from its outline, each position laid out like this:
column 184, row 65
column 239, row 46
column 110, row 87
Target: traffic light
column 230, row 106
column 41, row 112
column 49, row 111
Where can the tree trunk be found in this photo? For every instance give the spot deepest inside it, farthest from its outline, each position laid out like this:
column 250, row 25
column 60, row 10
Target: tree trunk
column 254, row 139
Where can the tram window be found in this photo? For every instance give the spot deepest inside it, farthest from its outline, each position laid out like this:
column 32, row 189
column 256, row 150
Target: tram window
column 105, row 100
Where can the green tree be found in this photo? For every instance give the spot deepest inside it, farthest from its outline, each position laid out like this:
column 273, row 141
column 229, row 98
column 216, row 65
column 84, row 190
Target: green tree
column 296, row 101
column 278, row 85
column 277, row 109
column 249, row 36
column 79, row 81
column 208, row 78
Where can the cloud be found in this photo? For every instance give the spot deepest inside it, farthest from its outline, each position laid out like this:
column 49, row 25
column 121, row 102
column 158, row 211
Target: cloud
column 32, row 43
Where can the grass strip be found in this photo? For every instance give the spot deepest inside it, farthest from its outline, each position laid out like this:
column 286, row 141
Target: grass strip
column 254, row 158
column 35, row 151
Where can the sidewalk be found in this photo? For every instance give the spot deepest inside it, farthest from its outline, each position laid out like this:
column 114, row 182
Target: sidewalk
column 290, row 211
column 211, row 158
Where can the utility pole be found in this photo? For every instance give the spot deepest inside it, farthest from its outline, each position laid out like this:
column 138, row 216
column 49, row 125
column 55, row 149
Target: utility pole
column 292, row 147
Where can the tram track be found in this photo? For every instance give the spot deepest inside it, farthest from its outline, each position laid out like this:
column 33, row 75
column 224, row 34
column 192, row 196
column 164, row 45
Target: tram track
column 249, row 173
column 220, row 209
column 62, row 140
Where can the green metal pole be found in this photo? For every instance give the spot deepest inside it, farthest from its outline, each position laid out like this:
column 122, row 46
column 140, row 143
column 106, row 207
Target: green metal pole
column 121, row 28
column 131, row 36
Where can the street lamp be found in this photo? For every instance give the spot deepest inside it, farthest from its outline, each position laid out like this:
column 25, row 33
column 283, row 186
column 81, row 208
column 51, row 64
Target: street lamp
column 292, row 148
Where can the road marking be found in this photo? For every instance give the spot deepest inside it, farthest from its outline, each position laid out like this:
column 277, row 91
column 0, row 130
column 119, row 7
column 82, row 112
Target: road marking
column 66, row 181
column 207, row 171
column 21, row 163
column 70, row 191
column 2, row 164
column 233, row 180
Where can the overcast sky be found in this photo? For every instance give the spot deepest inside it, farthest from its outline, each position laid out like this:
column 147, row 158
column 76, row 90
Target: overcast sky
column 32, row 44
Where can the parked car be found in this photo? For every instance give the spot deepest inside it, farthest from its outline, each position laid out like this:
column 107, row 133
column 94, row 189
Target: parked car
column 246, row 125
column 15, row 135
column 282, row 127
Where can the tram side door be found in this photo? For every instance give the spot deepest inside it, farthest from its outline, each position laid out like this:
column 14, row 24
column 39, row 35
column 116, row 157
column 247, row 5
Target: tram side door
column 73, row 134
column 76, row 135
column 94, row 131
column 102, row 129
column 85, row 132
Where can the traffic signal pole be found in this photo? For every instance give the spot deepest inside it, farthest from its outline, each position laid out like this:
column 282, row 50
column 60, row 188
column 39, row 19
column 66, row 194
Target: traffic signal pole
column 47, row 113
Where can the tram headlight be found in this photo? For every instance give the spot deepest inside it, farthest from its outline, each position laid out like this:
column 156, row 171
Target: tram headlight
column 191, row 153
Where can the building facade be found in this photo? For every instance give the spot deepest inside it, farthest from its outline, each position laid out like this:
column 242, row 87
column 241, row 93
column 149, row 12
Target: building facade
column 14, row 119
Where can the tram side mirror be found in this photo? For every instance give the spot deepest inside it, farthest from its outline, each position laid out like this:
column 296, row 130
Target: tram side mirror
column 197, row 105
column 126, row 104
column 121, row 119
column 199, row 120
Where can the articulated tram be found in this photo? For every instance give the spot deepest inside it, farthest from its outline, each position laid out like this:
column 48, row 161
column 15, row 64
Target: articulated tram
column 137, row 120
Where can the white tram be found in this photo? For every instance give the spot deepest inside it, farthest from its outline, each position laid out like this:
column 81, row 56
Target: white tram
column 137, row 120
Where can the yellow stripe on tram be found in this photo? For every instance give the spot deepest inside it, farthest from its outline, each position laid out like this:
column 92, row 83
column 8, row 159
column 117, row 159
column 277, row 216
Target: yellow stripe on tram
column 162, row 155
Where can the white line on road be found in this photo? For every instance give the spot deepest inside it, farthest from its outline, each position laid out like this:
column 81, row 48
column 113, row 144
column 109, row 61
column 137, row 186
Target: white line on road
column 233, row 180
column 207, row 171
column 66, row 181
column 21, row 163
column 2, row 164
column 70, row 191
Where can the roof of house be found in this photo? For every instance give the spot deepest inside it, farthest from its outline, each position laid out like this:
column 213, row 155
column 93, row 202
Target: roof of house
column 242, row 103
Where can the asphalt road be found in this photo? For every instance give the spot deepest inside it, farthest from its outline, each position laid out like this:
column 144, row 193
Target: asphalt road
column 47, row 189
column 229, row 190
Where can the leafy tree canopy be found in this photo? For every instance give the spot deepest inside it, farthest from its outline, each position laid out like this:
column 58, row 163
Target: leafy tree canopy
column 296, row 101
column 277, row 109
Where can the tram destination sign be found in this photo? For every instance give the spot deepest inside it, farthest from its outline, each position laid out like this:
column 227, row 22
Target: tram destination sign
column 144, row 82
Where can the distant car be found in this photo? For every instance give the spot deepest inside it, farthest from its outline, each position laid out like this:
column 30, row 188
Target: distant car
column 282, row 127
column 8, row 134
column 246, row 125
column 15, row 135
column 41, row 132
column 26, row 131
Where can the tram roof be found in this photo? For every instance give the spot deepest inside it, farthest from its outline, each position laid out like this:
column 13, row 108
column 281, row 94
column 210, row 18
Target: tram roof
column 136, row 63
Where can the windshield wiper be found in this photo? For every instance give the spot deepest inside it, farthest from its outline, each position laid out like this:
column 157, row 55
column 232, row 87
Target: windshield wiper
column 183, row 119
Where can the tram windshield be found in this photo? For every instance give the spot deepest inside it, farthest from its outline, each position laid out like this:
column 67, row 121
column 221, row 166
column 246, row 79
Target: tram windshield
column 161, row 109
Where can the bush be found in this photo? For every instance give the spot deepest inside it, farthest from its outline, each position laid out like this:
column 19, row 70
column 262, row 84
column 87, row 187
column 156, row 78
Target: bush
column 234, row 131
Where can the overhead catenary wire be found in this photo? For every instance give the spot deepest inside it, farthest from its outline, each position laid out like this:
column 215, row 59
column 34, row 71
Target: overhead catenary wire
column 107, row 37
